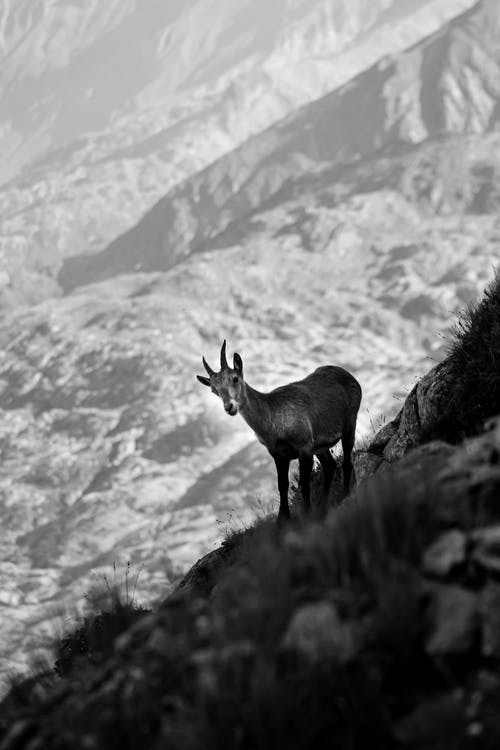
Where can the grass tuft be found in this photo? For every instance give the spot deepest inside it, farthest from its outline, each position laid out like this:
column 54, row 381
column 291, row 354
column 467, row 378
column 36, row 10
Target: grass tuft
column 474, row 358
column 112, row 610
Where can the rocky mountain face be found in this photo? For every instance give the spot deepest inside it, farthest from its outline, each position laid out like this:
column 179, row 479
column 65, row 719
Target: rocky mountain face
column 348, row 232
column 450, row 83
column 146, row 94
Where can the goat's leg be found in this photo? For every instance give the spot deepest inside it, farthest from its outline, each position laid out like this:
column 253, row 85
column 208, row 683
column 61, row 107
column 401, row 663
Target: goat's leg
column 347, row 446
column 282, row 466
column 305, row 467
column 329, row 467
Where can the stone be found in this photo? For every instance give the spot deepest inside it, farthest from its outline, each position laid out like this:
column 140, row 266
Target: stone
column 438, row 722
column 448, row 551
column 365, row 464
column 204, row 661
column 486, row 550
column 433, row 394
column 420, row 465
column 487, row 681
column 423, row 407
column 201, row 577
column 383, row 436
column 408, row 431
column 426, row 458
column 454, row 620
column 317, row 632
column 489, row 609
column 159, row 642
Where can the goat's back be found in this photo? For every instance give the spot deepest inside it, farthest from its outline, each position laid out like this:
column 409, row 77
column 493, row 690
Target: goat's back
column 335, row 392
column 330, row 397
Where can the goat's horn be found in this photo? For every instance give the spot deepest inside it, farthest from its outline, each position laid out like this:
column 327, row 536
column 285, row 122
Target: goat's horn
column 223, row 360
column 207, row 366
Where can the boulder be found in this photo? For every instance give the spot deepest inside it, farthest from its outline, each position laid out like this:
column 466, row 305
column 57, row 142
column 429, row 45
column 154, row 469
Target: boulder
column 454, row 618
column 436, row 723
column 201, row 577
column 383, row 436
column 433, row 395
column 424, row 407
column 365, row 464
column 446, row 553
column 407, row 434
column 469, row 481
column 317, row 632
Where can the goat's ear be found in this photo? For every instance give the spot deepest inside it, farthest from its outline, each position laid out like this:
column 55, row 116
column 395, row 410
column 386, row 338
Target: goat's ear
column 238, row 363
column 203, row 380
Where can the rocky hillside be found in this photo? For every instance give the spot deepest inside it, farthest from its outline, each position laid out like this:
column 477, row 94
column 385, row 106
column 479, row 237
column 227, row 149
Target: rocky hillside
column 110, row 449
column 389, row 609
column 92, row 124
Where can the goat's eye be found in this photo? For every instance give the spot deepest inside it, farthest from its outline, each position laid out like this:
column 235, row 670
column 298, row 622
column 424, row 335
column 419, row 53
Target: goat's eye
column 235, row 379
column 215, row 391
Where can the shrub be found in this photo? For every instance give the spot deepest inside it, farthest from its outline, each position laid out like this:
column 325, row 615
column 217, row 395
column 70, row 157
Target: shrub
column 112, row 610
column 474, row 368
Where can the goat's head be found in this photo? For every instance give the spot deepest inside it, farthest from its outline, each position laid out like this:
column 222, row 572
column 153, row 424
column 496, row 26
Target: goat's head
column 228, row 383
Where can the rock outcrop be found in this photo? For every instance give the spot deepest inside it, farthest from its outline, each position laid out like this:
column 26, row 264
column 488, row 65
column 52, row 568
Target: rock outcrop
column 451, row 400
column 423, row 406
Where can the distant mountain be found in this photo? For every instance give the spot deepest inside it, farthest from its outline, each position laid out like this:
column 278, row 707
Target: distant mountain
column 69, row 69
column 447, row 84
column 113, row 104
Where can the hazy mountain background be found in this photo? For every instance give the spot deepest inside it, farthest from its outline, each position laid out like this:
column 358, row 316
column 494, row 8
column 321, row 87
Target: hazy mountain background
column 315, row 181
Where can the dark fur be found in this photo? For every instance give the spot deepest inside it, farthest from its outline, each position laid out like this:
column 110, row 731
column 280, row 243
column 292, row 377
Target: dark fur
column 298, row 420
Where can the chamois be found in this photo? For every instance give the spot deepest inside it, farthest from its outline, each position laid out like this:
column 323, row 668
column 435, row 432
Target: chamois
column 300, row 420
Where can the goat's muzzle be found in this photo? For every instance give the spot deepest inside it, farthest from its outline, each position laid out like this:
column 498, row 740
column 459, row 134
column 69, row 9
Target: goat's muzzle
column 231, row 408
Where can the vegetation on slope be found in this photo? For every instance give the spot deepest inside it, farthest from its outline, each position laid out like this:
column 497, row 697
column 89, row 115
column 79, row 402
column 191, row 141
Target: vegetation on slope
column 475, row 367
column 456, row 397
column 376, row 628
column 324, row 633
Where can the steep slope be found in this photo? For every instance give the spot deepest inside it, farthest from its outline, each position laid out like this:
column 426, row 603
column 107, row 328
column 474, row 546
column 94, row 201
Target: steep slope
column 111, row 451
column 450, row 83
column 144, row 96
column 375, row 629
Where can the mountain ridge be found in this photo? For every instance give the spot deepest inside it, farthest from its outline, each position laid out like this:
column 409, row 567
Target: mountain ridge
column 368, row 112
column 154, row 143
